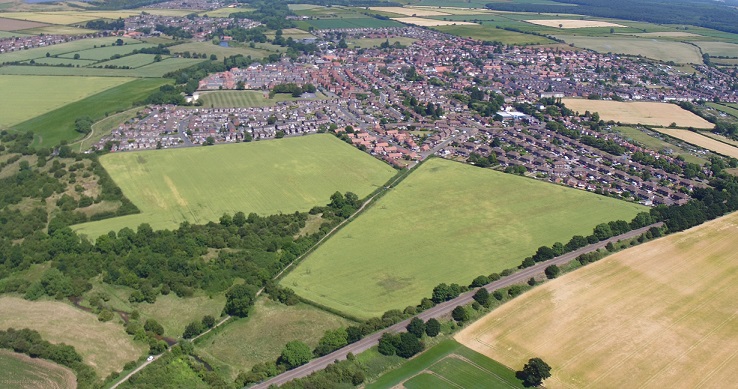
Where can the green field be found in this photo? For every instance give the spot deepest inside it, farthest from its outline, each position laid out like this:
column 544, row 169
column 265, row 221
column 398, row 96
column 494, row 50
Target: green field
column 106, row 52
column 245, row 98
column 324, row 24
column 376, row 42
column 725, row 108
column 154, row 70
column 61, row 61
column 657, row 144
column 262, row 336
column 488, row 32
column 221, row 52
column 21, row 371
column 447, row 222
column 132, row 61
column 719, row 49
column 33, row 96
column 449, row 365
column 661, row 50
column 57, row 125
column 200, row 184
column 64, row 48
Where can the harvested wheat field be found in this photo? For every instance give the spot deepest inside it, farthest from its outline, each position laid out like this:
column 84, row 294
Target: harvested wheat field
column 648, row 113
column 409, row 11
column 431, row 22
column 701, row 141
column 659, row 315
column 572, row 23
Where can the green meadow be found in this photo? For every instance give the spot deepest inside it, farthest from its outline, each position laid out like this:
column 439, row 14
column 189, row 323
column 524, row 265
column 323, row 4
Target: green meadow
column 199, row 184
column 447, row 222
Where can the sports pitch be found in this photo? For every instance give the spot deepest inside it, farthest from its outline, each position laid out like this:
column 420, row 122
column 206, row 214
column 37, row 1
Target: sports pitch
column 649, row 113
column 447, row 222
column 659, row 315
column 199, row 184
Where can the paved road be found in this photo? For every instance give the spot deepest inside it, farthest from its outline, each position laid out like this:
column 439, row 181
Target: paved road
column 440, row 310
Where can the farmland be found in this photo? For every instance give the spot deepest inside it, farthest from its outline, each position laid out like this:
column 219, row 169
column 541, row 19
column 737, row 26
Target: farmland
column 396, row 252
column 57, row 125
column 666, row 307
column 323, row 24
column 21, row 371
column 431, row 22
column 104, row 346
column 661, row 50
column 449, row 365
column 154, row 70
column 245, row 98
column 719, row 49
column 221, row 52
column 68, row 47
column 648, row 113
column 24, row 103
column 261, row 337
column 572, row 23
column 654, row 141
column 701, row 141
column 489, row 33
column 295, row 174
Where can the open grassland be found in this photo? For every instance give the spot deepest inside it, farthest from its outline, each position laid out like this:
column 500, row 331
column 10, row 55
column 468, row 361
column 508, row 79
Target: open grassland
column 448, row 365
column 649, row 113
column 661, row 50
column 33, row 96
column 64, row 48
column 104, row 127
column 132, row 61
column 262, row 336
column 376, row 42
column 57, row 125
column 654, row 143
column 488, row 32
column 700, row 140
column 572, row 23
column 431, row 22
column 447, row 222
column 23, row 372
column 245, row 98
column 659, row 315
column 200, row 184
column 104, row 346
column 719, row 49
column 106, row 52
column 208, row 48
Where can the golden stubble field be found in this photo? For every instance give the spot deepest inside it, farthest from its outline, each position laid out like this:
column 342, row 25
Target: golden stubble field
column 572, row 23
column 432, row 22
column 659, row 315
column 639, row 112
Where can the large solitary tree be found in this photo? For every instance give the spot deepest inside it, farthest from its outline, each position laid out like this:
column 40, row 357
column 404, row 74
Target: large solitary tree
column 534, row 372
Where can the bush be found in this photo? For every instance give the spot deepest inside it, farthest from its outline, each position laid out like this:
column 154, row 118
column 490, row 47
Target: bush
column 482, row 296
column 459, row 314
column 552, row 272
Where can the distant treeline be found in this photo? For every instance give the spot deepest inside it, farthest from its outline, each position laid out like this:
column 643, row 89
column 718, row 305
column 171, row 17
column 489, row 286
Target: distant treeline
column 704, row 14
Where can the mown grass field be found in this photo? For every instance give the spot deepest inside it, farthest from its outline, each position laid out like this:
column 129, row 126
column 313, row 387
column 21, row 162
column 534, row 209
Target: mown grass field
column 33, row 96
column 104, row 346
column 648, row 113
column 221, row 52
column 57, row 125
column 262, row 336
column 245, row 98
column 447, row 222
column 132, row 61
column 659, row 315
column 101, row 53
column 24, row 372
column 200, row 184
column 661, row 50
column 449, row 365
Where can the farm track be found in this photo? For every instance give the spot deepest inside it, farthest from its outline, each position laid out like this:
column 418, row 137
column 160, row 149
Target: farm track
column 440, row 310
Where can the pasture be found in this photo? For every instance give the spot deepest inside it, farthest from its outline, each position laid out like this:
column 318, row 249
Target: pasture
column 700, row 140
column 262, row 336
column 63, row 48
column 366, row 22
column 661, row 50
column 648, row 113
column 24, row 103
column 24, row 372
column 104, row 346
column 719, row 49
column 447, row 222
column 659, row 315
column 102, row 53
column 132, row 61
column 419, row 12
column 154, row 70
column 58, row 124
column 199, row 184
column 244, row 98
column 488, row 32
column 432, row 22
column 376, row 42
column 208, row 48
column 448, row 365
column 572, row 23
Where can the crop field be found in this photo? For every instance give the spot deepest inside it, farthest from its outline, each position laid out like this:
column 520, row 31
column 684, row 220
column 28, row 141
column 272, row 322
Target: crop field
column 52, row 17
column 24, row 103
column 24, row 372
column 221, row 52
column 572, row 23
column 57, row 125
column 649, row 113
column 262, row 336
column 719, row 49
column 13, row 24
column 323, row 24
column 659, row 315
column 104, row 346
column 490, row 33
column 661, row 50
column 432, row 22
column 449, row 365
column 245, row 98
column 701, row 141
column 200, row 184
column 60, row 49
column 447, row 222
column 132, row 61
